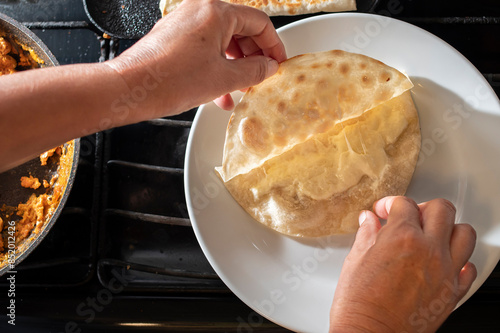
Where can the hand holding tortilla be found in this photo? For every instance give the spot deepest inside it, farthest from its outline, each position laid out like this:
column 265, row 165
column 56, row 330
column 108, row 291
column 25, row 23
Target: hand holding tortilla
column 169, row 65
column 322, row 139
column 415, row 265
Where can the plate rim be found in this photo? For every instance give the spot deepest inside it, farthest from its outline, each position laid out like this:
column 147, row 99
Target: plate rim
column 187, row 165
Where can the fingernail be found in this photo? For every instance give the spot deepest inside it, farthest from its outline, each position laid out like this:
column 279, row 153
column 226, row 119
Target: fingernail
column 362, row 217
column 272, row 67
column 379, row 205
column 384, row 204
column 389, row 202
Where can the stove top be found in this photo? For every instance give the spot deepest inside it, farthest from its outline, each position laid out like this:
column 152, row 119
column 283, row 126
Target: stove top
column 123, row 255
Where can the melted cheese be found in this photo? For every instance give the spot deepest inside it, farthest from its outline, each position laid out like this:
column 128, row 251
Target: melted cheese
column 354, row 149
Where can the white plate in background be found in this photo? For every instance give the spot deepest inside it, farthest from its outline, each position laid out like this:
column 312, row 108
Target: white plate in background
column 291, row 281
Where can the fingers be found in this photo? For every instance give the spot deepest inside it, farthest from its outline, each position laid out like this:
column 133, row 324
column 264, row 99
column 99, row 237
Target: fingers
column 382, row 207
column 254, row 50
column 462, row 243
column 465, row 279
column 439, row 217
column 398, row 210
column 369, row 225
column 234, row 50
column 249, row 71
column 257, row 25
column 252, row 70
column 225, row 102
column 240, row 47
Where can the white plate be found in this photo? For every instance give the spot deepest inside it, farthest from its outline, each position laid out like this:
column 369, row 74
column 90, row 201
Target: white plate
column 291, row 281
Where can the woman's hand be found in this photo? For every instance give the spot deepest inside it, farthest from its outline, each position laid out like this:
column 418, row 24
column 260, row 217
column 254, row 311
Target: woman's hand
column 199, row 52
column 408, row 275
column 203, row 50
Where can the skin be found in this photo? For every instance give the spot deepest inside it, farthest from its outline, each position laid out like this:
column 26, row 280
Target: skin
column 179, row 65
column 405, row 276
column 201, row 52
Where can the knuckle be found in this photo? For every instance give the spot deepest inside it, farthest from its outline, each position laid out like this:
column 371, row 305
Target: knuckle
column 406, row 200
column 409, row 237
column 445, row 204
column 212, row 3
column 435, row 258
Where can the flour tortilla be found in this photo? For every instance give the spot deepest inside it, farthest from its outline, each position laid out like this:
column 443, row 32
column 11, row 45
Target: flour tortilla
column 308, row 95
column 309, row 148
column 283, row 7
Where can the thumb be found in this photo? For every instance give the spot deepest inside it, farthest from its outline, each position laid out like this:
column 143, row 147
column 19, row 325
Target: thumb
column 252, row 70
column 367, row 232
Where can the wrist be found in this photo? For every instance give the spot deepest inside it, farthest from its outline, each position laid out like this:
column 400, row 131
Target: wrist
column 361, row 325
column 152, row 86
column 356, row 317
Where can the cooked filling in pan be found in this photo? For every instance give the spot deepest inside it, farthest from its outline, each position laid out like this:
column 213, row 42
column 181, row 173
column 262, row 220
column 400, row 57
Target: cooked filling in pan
column 15, row 57
column 31, row 216
column 22, row 223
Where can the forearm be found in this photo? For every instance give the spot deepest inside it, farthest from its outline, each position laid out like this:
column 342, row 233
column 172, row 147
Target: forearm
column 179, row 65
column 43, row 108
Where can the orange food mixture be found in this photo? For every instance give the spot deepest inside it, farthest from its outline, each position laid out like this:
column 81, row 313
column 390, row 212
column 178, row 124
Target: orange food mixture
column 15, row 57
column 49, row 153
column 1, row 238
column 38, row 209
column 30, row 182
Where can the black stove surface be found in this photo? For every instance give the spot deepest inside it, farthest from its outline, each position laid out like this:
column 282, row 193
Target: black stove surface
column 123, row 256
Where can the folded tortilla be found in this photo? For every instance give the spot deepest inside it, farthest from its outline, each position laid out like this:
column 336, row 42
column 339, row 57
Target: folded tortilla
column 326, row 136
column 280, row 7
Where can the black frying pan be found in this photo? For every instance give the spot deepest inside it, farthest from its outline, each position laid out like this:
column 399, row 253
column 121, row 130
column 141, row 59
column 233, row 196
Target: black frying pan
column 123, row 19
column 11, row 192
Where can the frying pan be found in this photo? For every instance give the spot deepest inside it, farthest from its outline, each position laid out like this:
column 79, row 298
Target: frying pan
column 123, row 19
column 11, row 192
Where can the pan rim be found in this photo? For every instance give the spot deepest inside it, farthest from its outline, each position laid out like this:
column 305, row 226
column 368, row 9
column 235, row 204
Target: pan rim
column 10, row 26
